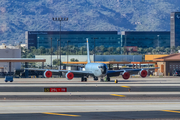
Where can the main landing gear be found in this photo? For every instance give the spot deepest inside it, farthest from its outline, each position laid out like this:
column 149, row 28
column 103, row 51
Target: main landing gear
column 107, row 78
column 84, row 79
column 102, row 80
column 95, row 78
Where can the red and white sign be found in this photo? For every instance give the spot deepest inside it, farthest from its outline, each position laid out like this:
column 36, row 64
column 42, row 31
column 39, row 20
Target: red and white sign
column 58, row 90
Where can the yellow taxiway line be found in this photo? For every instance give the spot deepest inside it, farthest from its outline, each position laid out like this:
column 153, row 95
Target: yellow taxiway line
column 118, row 95
column 61, row 114
column 171, row 111
column 125, row 86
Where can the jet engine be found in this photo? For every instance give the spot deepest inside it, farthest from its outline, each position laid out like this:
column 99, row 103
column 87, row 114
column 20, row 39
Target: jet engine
column 143, row 73
column 125, row 75
column 47, row 74
column 69, row 75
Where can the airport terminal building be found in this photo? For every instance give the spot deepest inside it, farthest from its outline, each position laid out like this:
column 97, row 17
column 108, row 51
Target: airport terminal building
column 143, row 39
column 175, row 29
column 75, row 38
column 146, row 39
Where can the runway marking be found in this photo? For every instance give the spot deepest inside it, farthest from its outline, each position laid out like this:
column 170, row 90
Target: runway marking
column 125, row 86
column 118, row 95
column 171, row 111
column 61, row 114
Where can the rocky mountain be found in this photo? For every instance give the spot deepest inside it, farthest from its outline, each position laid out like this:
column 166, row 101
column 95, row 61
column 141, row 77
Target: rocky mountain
column 18, row 16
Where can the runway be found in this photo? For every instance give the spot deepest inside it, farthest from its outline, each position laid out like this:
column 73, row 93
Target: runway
column 89, row 110
column 130, row 115
column 149, row 98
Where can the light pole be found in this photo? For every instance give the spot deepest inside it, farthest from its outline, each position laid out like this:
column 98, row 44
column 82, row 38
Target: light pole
column 67, row 51
column 60, row 19
column 57, row 49
column 51, row 53
column 158, row 40
column 94, row 49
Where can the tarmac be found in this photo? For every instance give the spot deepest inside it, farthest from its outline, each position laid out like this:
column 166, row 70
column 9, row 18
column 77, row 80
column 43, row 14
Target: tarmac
column 136, row 98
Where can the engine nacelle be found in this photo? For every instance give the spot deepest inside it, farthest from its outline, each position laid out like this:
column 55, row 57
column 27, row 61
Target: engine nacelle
column 69, row 75
column 125, row 75
column 143, row 73
column 47, row 74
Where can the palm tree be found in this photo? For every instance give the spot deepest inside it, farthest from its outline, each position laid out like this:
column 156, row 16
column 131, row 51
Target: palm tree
column 102, row 48
column 42, row 50
column 124, row 50
column 162, row 49
column 158, row 50
column 173, row 49
column 82, row 48
column 178, row 48
column 110, row 49
column 150, row 49
column 118, row 50
column 154, row 51
column 140, row 50
column 167, row 50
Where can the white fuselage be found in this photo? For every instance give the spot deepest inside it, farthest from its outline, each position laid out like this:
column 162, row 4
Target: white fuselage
column 98, row 69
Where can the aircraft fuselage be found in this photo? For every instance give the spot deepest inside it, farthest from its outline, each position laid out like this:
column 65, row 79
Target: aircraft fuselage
column 98, row 69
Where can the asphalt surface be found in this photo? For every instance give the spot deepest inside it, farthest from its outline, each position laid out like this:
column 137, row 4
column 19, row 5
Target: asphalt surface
column 103, row 110
column 149, row 98
column 130, row 115
column 91, row 97
column 95, row 89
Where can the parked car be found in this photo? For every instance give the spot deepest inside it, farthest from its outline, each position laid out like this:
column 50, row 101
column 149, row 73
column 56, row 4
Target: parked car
column 176, row 73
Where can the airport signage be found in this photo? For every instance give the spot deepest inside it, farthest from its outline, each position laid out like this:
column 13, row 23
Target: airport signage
column 55, row 89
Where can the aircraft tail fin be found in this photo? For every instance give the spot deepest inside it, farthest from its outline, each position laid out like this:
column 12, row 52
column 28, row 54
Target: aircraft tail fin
column 88, row 57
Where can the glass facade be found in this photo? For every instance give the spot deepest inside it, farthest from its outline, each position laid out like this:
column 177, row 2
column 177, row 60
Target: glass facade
column 175, row 29
column 106, row 38
column 75, row 38
column 145, row 39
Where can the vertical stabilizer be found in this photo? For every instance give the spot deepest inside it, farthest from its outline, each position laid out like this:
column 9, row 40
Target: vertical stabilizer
column 88, row 57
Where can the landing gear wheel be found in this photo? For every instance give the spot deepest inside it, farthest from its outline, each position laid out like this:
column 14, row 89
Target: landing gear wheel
column 102, row 80
column 95, row 78
column 108, row 79
column 82, row 79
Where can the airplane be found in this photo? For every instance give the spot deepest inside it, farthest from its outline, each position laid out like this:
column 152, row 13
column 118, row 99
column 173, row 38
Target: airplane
column 96, row 70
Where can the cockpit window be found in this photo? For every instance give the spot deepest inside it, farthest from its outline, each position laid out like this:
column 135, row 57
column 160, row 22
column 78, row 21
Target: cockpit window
column 100, row 66
column 103, row 69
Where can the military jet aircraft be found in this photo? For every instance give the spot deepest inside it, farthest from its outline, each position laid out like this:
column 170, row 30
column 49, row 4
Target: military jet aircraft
column 96, row 70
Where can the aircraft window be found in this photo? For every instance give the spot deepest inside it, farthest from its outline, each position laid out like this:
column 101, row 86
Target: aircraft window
column 100, row 67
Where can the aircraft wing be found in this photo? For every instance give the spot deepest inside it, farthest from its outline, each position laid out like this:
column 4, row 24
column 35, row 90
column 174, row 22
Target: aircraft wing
column 52, row 70
column 118, row 72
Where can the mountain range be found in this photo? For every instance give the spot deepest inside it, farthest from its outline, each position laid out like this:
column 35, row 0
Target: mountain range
column 18, row 16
